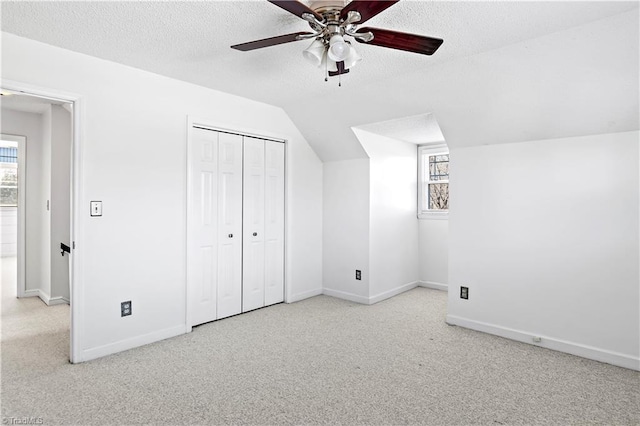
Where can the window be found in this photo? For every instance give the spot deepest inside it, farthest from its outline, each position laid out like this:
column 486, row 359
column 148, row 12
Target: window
column 8, row 175
column 433, row 186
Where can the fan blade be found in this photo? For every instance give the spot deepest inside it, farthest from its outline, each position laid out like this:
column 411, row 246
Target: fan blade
column 367, row 9
column 296, row 8
column 259, row 44
column 402, row 41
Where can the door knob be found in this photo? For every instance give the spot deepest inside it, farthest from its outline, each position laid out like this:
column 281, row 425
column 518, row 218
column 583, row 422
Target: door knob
column 230, row 235
column 255, row 234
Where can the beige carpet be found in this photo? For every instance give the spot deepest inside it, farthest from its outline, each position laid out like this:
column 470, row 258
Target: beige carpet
column 322, row 360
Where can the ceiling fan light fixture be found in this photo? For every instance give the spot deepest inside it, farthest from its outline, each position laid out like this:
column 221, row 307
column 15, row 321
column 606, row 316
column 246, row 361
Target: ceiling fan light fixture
column 352, row 58
column 315, row 52
column 338, row 48
column 328, row 64
column 331, row 21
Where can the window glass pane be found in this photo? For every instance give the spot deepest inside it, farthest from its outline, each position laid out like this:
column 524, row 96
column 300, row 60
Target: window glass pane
column 9, row 176
column 439, row 196
column 438, row 167
column 8, row 186
column 8, row 197
column 8, row 154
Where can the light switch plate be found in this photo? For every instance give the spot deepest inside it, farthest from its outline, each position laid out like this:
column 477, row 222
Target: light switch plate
column 96, row 208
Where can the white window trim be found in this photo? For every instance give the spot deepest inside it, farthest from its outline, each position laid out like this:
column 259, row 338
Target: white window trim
column 432, row 149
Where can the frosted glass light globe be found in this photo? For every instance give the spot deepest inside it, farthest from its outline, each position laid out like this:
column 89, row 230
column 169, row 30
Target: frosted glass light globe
column 338, row 49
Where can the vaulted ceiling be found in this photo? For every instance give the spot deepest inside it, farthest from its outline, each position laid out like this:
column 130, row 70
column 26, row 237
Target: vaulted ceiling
column 507, row 71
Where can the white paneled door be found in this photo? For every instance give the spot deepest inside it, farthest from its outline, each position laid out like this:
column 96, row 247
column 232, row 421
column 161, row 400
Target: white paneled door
column 274, row 223
column 253, row 262
column 202, row 246
column 229, row 225
column 235, row 224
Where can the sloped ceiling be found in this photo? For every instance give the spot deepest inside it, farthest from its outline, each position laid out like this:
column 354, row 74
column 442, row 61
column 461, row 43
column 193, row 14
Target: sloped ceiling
column 418, row 129
column 507, row 72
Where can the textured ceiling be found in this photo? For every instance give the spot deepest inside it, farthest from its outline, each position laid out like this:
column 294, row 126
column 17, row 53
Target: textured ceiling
column 190, row 41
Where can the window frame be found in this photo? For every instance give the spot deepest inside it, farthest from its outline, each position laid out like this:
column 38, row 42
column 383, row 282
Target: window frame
column 429, row 150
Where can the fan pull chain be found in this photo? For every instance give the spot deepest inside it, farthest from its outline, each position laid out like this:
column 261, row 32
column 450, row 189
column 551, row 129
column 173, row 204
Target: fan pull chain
column 326, row 70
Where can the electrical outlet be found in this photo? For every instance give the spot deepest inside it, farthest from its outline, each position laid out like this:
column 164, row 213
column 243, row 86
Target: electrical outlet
column 125, row 308
column 464, row 292
column 358, row 274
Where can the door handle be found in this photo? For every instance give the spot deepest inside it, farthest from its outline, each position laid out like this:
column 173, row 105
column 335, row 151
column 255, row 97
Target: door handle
column 63, row 248
column 255, row 234
column 230, row 235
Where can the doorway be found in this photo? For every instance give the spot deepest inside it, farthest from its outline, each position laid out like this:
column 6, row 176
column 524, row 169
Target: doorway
column 37, row 205
column 12, row 201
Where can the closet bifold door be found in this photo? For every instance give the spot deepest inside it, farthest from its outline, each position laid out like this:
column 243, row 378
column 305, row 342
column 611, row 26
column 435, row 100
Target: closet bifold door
column 229, row 225
column 253, row 221
column 202, row 250
column 263, row 222
column 274, row 223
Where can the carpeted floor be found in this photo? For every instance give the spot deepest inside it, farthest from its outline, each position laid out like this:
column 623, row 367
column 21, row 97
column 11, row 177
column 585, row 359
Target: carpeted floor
column 322, row 360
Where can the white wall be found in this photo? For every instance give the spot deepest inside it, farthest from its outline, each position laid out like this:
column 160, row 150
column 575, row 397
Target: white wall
column 31, row 125
column 545, row 235
column 304, row 214
column 134, row 127
column 433, row 235
column 61, row 138
column 346, row 229
column 393, row 214
column 370, row 221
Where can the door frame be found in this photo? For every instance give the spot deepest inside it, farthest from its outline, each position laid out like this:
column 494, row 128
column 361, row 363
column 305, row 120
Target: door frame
column 21, row 140
column 243, row 130
column 76, row 192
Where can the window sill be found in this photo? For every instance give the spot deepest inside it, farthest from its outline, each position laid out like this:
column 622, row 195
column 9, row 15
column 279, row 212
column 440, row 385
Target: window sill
column 437, row 215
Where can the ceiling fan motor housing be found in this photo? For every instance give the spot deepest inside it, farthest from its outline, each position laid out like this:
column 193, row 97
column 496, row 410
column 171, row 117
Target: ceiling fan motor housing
column 320, row 6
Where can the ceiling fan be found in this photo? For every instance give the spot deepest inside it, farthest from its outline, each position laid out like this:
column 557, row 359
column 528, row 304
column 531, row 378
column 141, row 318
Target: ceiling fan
column 331, row 21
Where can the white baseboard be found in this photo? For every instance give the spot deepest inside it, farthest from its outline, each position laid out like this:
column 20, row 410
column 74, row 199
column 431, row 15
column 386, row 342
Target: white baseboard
column 372, row 299
column 304, row 295
column 48, row 300
column 44, row 297
column 572, row 348
column 58, row 301
column 134, row 342
column 393, row 292
column 346, row 296
column 30, row 293
column 434, row 285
